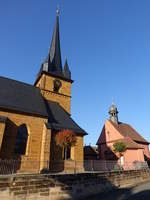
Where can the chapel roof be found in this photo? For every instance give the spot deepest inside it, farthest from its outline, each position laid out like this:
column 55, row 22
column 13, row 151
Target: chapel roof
column 127, row 130
column 130, row 144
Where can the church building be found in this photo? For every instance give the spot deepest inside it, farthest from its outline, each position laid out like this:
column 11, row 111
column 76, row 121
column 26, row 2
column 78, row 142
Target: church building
column 137, row 148
column 31, row 115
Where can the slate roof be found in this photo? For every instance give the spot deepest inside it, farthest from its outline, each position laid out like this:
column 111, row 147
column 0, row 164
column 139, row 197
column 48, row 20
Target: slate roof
column 22, row 97
column 3, row 119
column 67, row 72
column 17, row 96
column 90, row 151
column 126, row 130
column 60, row 119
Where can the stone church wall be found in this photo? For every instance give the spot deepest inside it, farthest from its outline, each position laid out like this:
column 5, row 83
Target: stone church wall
column 34, row 126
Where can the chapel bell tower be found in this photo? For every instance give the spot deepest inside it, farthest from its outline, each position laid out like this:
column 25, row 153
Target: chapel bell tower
column 54, row 80
column 113, row 113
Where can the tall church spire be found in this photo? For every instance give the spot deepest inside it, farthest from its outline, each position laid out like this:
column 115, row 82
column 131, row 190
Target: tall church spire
column 53, row 63
column 54, row 55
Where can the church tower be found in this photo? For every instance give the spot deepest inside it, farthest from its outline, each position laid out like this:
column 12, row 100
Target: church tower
column 54, row 80
column 113, row 113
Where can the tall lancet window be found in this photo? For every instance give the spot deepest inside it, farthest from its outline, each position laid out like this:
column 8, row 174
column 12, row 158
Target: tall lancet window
column 21, row 140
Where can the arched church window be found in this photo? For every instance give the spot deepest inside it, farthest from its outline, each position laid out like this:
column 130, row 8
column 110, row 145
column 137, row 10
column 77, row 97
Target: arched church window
column 68, row 153
column 57, row 85
column 21, row 140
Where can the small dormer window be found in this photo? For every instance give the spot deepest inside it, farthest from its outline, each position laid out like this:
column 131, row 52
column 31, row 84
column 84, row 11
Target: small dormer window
column 57, row 85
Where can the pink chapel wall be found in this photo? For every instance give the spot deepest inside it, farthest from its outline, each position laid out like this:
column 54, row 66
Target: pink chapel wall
column 109, row 133
column 132, row 155
column 129, row 156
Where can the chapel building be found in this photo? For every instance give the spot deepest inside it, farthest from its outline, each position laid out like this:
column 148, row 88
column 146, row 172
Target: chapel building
column 31, row 115
column 137, row 148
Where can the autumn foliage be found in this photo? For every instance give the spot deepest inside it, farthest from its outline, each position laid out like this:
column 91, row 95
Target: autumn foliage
column 66, row 139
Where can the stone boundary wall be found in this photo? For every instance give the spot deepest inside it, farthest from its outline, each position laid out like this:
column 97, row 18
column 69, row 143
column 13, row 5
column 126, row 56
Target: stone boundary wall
column 67, row 186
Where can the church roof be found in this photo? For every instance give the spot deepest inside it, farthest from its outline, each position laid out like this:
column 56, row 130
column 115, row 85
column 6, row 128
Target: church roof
column 21, row 97
column 60, row 119
column 127, row 130
column 3, row 119
column 66, row 71
column 16, row 96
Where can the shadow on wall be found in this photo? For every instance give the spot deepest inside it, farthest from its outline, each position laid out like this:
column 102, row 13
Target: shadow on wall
column 9, row 141
column 105, row 151
column 10, row 162
column 147, row 160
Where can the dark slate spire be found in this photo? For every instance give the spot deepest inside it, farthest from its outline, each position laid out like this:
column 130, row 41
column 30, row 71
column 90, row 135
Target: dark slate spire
column 67, row 73
column 54, row 56
column 53, row 62
column 113, row 113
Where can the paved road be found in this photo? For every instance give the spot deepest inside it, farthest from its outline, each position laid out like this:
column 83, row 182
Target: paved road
column 140, row 192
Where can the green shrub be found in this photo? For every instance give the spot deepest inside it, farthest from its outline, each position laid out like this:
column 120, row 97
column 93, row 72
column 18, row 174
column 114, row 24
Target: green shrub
column 119, row 147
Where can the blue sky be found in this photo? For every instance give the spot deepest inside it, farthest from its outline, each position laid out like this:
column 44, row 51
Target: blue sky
column 107, row 43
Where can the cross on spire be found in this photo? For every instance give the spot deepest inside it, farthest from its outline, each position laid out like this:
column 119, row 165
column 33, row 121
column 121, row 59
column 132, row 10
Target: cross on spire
column 57, row 11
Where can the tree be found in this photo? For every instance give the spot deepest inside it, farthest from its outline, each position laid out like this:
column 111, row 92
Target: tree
column 65, row 139
column 119, row 147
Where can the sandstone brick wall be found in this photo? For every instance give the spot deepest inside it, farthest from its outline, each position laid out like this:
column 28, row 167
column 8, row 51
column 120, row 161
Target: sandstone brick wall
column 77, row 150
column 55, row 187
column 2, row 129
column 45, row 148
column 35, row 127
column 64, row 95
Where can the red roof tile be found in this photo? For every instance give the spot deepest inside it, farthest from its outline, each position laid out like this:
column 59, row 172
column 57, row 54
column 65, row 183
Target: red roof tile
column 130, row 144
column 127, row 131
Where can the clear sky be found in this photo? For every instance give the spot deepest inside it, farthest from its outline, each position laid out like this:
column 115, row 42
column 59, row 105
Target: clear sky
column 107, row 43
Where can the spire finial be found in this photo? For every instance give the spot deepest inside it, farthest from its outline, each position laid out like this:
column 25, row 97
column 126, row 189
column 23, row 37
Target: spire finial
column 113, row 101
column 57, row 11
